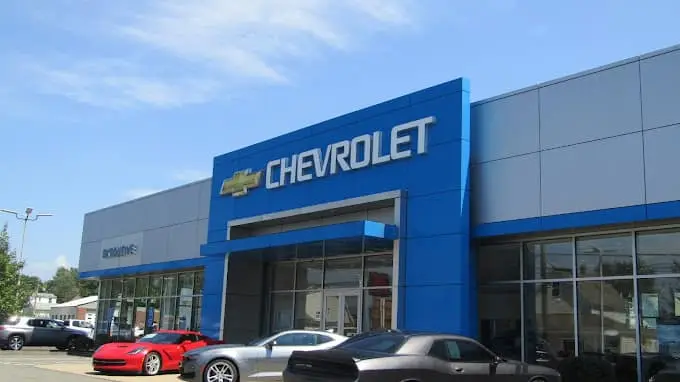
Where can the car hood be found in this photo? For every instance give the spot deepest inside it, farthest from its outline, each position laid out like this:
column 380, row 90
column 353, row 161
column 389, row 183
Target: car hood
column 204, row 349
column 119, row 348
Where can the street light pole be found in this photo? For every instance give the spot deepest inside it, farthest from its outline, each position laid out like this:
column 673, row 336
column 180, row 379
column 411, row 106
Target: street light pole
column 26, row 217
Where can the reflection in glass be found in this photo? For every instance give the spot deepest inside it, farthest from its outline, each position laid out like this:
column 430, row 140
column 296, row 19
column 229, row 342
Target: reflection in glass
column 186, row 284
column 309, row 275
column 281, row 311
column 125, row 323
column 155, row 305
column 604, row 256
column 377, row 309
column 155, row 284
column 499, row 263
column 501, row 329
column 105, row 290
column 378, row 271
column 142, row 287
column 351, row 246
column 170, row 285
column 606, row 317
column 184, row 314
column 658, row 252
column 350, row 318
column 140, row 316
column 282, row 276
column 198, row 283
column 343, row 273
column 308, row 310
column 129, row 287
column 549, row 322
column 375, row 245
column 310, row 250
column 548, row 260
column 196, row 314
column 168, row 312
column 116, row 288
column 114, row 314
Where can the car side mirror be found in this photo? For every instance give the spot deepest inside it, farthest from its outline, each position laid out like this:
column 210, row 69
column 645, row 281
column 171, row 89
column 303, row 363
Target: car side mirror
column 269, row 345
column 187, row 342
column 498, row 360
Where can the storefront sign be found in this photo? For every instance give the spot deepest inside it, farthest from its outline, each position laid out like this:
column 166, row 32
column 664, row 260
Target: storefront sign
column 241, row 182
column 360, row 152
column 120, row 251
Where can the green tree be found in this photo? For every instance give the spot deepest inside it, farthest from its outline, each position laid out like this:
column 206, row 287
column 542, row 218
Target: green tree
column 66, row 285
column 13, row 295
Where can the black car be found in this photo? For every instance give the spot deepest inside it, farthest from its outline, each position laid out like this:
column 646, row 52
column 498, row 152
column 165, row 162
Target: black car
column 400, row 356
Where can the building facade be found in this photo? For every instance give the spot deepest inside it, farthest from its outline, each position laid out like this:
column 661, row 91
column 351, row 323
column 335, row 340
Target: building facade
column 545, row 222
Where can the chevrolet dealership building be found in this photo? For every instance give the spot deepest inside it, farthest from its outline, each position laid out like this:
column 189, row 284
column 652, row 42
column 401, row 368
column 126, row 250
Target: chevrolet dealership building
column 545, row 222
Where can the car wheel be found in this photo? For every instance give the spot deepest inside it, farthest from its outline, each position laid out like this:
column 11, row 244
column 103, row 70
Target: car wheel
column 16, row 343
column 220, row 370
column 152, row 364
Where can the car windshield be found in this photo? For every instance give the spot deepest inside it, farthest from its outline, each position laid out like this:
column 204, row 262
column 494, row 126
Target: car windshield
column 161, row 338
column 262, row 340
column 388, row 343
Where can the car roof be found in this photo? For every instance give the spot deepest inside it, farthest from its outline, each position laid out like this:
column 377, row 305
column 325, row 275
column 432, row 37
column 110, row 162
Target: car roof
column 177, row 331
column 417, row 333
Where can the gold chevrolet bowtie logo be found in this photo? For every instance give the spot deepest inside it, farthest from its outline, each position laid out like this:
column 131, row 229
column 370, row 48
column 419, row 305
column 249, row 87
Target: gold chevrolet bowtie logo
column 241, row 182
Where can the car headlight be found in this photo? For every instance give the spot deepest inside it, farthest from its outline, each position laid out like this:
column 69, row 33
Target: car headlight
column 136, row 351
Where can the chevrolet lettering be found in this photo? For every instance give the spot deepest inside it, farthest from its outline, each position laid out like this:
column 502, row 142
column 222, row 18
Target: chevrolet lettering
column 121, row 251
column 359, row 152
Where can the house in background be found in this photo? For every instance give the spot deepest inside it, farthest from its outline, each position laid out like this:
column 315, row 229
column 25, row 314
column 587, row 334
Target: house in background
column 84, row 308
column 39, row 304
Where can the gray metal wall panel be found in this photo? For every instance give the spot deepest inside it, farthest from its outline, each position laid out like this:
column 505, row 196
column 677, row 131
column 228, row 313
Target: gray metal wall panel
column 506, row 189
column 599, row 105
column 590, row 176
column 660, row 94
column 169, row 222
column 662, row 156
column 505, row 127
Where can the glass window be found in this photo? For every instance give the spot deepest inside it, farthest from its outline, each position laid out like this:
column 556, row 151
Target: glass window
column 377, row 309
column 170, row 285
column 184, row 313
column 310, row 250
column 375, row 245
column 498, row 263
column 352, row 246
column 196, row 314
column 105, row 289
column 378, row 271
column 296, row 339
column 186, row 284
column 129, row 287
column 116, row 288
column 461, row 351
column 140, row 317
column 281, row 311
column 155, row 284
column 153, row 314
column 606, row 317
column 142, row 287
column 658, row 252
column 308, row 310
column 549, row 322
column 168, row 312
column 126, row 324
column 501, row 329
column 548, row 260
column 343, row 273
column 198, row 283
column 282, row 276
column 382, row 342
column 309, row 275
column 604, row 256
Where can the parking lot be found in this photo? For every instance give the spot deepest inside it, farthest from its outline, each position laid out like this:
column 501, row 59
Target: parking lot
column 44, row 364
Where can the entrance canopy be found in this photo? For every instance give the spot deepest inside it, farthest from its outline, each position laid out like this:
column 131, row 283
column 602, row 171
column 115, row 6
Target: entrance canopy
column 366, row 232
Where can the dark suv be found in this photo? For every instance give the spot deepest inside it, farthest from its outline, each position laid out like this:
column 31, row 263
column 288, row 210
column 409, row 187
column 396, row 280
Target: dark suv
column 17, row 332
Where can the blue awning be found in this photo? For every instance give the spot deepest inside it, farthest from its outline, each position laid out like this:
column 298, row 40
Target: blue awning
column 355, row 229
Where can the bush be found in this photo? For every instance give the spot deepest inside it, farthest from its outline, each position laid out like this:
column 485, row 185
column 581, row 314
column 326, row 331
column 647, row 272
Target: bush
column 586, row 369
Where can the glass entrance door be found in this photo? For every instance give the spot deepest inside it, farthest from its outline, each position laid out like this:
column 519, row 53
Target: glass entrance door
column 342, row 312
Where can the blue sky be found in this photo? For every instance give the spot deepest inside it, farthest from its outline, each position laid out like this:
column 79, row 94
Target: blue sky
column 103, row 101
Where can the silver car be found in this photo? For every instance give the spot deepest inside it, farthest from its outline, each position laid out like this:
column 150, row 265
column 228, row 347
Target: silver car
column 261, row 360
column 17, row 332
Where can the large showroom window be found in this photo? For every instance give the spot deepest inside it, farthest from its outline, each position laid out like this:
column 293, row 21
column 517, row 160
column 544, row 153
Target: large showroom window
column 614, row 295
column 340, row 292
column 132, row 306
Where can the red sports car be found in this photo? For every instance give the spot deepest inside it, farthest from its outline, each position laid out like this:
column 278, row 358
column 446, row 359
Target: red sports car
column 151, row 354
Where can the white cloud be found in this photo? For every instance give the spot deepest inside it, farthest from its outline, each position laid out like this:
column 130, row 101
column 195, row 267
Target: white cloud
column 45, row 269
column 186, row 52
column 188, row 176
column 140, row 192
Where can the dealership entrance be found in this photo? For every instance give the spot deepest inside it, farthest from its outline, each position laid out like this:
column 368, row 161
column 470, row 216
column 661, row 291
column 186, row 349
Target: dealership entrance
column 342, row 312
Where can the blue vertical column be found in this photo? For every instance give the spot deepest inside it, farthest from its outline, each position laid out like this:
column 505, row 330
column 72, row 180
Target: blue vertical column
column 437, row 283
column 213, row 296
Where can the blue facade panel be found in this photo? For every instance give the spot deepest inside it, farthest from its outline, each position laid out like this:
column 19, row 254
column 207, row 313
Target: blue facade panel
column 435, row 225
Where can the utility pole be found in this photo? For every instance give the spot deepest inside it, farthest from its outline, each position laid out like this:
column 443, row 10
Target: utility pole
column 26, row 217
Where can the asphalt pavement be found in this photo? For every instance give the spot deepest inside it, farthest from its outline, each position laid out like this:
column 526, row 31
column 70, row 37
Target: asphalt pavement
column 44, row 364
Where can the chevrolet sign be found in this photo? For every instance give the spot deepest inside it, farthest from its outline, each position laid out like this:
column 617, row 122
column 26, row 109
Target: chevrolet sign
column 241, row 182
